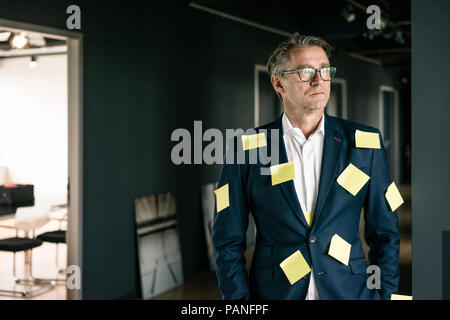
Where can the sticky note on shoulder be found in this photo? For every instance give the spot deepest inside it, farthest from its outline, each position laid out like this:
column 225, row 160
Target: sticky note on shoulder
column 253, row 141
column 295, row 267
column 400, row 297
column 282, row 172
column 222, row 198
column 365, row 139
column 352, row 179
column 393, row 197
column 340, row 249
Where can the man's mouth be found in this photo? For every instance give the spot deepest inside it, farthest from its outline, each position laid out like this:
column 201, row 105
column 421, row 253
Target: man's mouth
column 316, row 93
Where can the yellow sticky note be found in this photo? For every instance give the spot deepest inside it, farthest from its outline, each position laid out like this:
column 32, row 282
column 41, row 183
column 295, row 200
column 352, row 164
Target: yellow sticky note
column 309, row 217
column 295, row 267
column 352, row 179
column 340, row 249
column 254, row 141
column 222, row 198
column 365, row 139
column 393, row 197
column 282, row 172
column 400, row 297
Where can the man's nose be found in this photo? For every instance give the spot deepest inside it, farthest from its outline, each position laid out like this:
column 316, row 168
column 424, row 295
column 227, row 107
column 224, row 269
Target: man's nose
column 317, row 78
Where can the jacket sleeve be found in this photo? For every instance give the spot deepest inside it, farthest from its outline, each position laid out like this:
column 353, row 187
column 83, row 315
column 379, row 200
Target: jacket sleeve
column 381, row 225
column 229, row 233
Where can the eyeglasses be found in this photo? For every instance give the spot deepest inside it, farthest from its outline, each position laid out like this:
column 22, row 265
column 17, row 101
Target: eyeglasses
column 309, row 74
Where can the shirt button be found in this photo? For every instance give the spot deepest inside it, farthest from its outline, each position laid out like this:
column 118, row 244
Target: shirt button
column 313, row 239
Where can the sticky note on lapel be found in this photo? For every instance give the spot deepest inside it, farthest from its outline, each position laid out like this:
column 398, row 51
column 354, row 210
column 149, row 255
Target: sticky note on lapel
column 340, row 249
column 222, row 198
column 352, row 179
column 393, row 197
column 365, row 139
column 295, row 267
column 253, row 141
column 282, row 172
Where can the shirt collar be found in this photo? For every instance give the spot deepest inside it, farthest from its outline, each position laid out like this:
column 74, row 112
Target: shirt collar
column 287, row 127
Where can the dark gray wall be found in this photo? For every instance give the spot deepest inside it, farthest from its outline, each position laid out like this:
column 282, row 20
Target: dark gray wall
column 430, row 144
column 147, row 71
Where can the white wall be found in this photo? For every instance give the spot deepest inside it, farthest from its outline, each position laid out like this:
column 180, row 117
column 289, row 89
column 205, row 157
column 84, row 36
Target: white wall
column 33, row 125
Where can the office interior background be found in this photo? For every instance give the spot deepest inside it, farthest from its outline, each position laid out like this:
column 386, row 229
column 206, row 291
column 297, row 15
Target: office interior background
column 139, row 71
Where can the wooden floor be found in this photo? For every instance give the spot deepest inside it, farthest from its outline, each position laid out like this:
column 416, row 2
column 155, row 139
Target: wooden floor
column 203, row 286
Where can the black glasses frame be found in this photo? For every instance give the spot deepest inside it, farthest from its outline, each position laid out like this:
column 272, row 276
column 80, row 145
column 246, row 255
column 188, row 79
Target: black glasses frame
column 315, row 72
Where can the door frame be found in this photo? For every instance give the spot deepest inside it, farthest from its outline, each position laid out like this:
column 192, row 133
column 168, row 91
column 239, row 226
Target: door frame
column 343, row 83
column 396, row 131
column 74, row 236
column 258, row 68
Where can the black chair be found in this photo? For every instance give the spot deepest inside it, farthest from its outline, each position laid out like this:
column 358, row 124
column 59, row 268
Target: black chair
column 57, row 237
column 18, row 244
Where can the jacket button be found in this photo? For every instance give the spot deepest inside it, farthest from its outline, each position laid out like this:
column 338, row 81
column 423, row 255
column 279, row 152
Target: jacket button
column 321, row 273
column 313, row 239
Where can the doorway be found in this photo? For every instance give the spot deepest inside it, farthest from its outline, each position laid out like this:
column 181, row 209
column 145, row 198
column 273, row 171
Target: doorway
column 73, row 126
column 337, row 104
column 389, row 127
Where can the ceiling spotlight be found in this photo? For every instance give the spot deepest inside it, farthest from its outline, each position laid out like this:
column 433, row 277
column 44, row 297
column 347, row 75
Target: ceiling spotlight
column 348, row 14
column 33, row 62
column 19, row 41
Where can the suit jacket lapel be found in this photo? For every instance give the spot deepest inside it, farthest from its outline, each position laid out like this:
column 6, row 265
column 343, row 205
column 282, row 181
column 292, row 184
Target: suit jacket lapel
column 332, row 147
column 288, row 187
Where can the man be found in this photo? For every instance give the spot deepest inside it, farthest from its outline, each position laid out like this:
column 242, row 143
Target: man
column 307, row 242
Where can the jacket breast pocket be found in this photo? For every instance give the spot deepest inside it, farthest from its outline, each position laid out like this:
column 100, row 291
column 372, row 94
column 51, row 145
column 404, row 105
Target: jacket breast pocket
column 358, row 265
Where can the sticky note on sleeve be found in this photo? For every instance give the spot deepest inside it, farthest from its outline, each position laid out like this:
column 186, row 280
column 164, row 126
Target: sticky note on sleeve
column 295, row 267
column 365, row 139
column 340, row 249
column 222, row 198
column 282, row 172
column 393, row 197
column 400, row 297
column 352, row 179
column 253, row 141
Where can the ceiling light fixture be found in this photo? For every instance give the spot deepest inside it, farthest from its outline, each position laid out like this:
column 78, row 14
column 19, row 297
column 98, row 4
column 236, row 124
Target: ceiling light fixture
column 348, row 13
column 19, row 41
column 33, row 62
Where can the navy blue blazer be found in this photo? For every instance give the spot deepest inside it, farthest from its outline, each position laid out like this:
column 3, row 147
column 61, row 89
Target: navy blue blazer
column 282, row 228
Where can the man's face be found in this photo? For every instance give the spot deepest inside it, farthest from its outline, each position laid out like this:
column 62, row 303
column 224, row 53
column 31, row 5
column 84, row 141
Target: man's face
column 308, row 96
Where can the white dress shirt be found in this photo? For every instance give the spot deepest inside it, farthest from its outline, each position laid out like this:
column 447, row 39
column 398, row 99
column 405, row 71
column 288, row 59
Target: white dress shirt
column 307, row 157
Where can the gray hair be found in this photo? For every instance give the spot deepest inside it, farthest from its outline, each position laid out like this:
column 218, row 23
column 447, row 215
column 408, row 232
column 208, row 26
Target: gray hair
column 279, row 58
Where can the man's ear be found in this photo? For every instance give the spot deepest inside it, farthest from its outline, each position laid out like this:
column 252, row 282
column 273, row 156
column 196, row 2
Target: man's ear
column 277, row 84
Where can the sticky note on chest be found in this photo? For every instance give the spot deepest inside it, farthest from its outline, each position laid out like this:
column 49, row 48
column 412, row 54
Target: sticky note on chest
column 393, row 197
column 282, row 172
column 340, row 249
column 309, row 217
column 365, row 139
column 295, row 267
column 222, row 198
column 352, row 179
column 254, row 141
